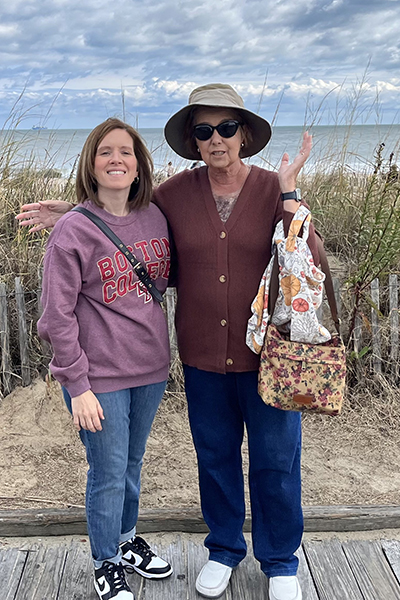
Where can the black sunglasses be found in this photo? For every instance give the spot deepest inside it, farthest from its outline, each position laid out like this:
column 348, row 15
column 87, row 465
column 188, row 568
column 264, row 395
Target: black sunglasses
column 226, row 129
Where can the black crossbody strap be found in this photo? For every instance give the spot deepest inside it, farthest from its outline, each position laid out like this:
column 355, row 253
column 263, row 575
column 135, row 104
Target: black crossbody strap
column 139, row 269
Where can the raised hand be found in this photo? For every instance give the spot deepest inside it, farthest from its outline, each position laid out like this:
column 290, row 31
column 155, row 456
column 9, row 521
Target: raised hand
column 43, row 214
column 288, row 172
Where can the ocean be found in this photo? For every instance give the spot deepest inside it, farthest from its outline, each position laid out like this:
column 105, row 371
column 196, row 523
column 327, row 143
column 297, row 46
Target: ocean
column 354, row 147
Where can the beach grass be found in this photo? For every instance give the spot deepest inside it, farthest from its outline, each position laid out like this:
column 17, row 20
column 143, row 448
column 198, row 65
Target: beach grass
column 357, row 213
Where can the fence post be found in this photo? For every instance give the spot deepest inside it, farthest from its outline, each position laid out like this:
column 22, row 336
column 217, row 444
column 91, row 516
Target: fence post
column 376, row 334
column 5, row 342
column 357, row 337
column 170, row 304
column 23, row 332
column 336, row 291
column 394, row 324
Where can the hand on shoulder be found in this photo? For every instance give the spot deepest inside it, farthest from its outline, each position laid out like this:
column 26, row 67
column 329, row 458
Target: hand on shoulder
column 43, row 214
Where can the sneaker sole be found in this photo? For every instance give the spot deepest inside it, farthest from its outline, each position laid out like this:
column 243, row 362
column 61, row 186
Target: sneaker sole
column 125, row 564
column 208, row 596
column 207, row 593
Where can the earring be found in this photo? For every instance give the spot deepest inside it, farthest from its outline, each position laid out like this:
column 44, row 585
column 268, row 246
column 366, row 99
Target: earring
column 198, row 149
column 242, row 145
column 136, row 180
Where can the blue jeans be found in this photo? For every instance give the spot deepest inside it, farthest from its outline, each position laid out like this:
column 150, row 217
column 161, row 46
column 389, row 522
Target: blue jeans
column 219, row 406
column 115, row 457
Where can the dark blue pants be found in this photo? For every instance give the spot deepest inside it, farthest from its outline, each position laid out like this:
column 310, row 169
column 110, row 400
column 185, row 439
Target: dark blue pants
column 219, row 406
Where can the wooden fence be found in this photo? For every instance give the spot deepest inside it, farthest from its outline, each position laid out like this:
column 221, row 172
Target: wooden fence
column 384, row 355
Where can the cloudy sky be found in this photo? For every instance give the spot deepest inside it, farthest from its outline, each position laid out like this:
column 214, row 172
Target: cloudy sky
column 70, row 59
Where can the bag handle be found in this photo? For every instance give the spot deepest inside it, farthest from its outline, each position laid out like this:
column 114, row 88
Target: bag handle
column 274, row 283
column 139, row 269
column 299, row 223
column 328, row 283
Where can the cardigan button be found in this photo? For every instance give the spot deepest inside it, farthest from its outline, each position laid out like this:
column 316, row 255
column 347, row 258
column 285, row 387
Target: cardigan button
column 222, row 278
column 222, row 235
column 229, row 361
column 223, row 322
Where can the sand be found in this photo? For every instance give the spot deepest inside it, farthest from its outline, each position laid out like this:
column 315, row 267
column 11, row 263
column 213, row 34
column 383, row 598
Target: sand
column 351, row 459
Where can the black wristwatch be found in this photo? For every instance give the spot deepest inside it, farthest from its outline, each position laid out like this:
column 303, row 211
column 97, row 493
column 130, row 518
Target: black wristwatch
column 295, row 195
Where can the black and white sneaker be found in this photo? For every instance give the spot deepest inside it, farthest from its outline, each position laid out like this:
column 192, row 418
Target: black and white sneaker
column 110, row 583
column 137, row 556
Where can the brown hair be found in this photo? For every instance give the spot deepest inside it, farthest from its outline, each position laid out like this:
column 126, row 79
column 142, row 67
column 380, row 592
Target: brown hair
column 86, row 184
column 191, row 142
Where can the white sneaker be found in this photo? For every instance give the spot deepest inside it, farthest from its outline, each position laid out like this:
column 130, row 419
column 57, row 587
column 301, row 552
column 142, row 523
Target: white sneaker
column 213, row 579
column 138, row 556
column 284, row 588
column 110, row 582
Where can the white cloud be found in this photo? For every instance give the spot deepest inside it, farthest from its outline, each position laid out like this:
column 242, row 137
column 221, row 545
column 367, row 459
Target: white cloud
column 389, row 86
column 157, row 51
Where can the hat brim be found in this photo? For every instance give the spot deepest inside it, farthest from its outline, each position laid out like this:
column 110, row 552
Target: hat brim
column 174, row 131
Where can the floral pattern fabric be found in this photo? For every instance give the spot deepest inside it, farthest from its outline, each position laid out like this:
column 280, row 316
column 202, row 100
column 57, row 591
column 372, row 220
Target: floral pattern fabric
column 297, row 376
column 300, row 289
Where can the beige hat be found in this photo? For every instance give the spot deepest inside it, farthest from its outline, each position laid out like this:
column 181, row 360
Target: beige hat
column 216, row 95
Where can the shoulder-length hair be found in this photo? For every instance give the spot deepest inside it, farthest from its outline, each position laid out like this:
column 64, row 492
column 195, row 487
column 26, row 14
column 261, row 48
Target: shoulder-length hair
column 86, row 185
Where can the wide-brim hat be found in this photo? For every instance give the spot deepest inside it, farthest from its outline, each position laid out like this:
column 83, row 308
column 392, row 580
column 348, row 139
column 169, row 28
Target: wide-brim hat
column 216, row 95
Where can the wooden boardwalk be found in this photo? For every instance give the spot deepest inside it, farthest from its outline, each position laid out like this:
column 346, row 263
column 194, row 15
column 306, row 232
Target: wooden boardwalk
column 330, row 569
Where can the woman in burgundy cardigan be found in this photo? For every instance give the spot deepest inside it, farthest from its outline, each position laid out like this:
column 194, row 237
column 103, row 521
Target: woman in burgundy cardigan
column 222, row 217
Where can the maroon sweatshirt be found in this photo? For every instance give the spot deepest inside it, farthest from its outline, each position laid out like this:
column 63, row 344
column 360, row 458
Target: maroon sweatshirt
column 106, row 331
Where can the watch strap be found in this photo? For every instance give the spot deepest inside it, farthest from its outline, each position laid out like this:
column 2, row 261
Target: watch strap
column 295, row 195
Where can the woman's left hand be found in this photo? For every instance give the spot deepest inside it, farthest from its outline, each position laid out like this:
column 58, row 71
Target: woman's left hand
column 288, row 173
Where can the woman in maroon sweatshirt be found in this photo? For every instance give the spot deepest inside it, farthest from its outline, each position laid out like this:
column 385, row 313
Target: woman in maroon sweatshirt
column 222, row 218
column 110, row 341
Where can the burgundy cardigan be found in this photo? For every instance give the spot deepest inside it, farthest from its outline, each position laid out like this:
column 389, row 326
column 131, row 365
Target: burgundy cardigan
column 219, row 265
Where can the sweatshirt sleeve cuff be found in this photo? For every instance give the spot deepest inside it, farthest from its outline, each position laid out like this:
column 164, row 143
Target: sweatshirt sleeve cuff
column 76, row 388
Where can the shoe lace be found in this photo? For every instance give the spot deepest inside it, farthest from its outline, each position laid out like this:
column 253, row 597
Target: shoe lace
column 143, row 548
column 116, row 575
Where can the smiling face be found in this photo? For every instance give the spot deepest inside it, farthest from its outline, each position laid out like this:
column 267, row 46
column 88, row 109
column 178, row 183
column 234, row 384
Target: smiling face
column 115, row 163
column 218, row 152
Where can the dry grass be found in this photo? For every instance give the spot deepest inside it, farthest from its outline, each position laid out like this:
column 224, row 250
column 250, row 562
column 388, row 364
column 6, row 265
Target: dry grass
column 371, row 413
column 349, row 208
column 342, row 458
column 356, row 454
